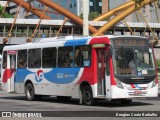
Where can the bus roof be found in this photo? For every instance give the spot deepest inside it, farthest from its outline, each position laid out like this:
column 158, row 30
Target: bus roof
column 61, row 41
column 67, row 41
column 123, row 36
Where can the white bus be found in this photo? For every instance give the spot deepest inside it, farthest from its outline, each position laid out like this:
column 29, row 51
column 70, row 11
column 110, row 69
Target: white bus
column 0, row 68
column 89, row 68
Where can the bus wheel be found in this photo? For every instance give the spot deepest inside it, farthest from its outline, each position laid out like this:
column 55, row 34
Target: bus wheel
column 126, row 101
column 87, row 95
column 29, row 90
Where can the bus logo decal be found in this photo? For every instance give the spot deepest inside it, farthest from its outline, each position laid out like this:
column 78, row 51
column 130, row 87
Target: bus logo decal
column 67, row 75
column 39, row 76
column 62, row 75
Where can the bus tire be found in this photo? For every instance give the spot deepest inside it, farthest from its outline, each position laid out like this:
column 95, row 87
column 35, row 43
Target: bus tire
column 87, row 95
column 29, row 90
column 126, row 101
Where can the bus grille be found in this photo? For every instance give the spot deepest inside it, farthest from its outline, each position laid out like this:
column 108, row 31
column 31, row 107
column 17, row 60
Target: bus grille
column 136, row 81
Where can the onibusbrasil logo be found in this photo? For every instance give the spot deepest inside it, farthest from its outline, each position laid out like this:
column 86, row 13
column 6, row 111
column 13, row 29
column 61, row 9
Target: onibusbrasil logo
column 39, row 75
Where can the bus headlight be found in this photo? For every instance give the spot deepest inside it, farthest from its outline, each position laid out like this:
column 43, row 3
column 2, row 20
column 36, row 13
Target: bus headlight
column 154, row 83
column 119, row 84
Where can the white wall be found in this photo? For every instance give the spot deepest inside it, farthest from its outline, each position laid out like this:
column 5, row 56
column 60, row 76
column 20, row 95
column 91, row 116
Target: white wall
column 3, row 3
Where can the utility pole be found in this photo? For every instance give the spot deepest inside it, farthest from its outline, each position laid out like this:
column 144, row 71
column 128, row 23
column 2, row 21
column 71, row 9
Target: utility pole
column 85, row 17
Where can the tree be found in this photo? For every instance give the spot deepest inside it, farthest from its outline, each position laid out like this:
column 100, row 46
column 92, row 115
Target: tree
column 92, row 15
column 5, row 14
column 158, row 63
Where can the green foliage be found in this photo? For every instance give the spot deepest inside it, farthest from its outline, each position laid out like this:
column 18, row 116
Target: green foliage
column 158, row 63
column 92, row 15
column 5, row 14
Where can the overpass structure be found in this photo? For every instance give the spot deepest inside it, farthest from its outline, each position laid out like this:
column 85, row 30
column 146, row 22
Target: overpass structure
column 24, row 28
column 114, row 16
column 17, row 31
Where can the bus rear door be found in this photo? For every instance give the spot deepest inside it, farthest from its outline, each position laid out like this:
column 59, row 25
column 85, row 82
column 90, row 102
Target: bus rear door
column 12, row 68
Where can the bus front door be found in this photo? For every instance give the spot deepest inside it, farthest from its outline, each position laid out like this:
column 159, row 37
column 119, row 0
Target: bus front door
column 12, row 60
column 101, row 82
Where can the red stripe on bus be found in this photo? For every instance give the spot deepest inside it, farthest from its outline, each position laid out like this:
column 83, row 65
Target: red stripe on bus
column 7, row 74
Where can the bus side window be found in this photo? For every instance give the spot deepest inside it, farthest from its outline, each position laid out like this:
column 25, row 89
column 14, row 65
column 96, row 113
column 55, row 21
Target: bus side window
column 82, row 56
column 4, row 59
column 22, row 59
column 49, row 57
column 34, row 58
column 65, row 56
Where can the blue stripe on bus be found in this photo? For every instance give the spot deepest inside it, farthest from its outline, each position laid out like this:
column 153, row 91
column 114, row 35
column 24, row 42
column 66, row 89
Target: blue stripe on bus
column 76, row 42
column 62, row 75
column 21, row 75
column 56, row 75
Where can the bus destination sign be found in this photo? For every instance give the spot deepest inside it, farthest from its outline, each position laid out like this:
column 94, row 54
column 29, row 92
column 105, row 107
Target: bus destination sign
column 132, row 42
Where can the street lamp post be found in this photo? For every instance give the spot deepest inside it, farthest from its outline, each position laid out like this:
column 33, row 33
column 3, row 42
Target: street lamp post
column 85, row 17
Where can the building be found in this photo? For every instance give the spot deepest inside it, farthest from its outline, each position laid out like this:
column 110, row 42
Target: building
column 148, row 12
column 95, row 6
column 71, row 5
column 100, row 6
column 75, row 6
column 3, row 2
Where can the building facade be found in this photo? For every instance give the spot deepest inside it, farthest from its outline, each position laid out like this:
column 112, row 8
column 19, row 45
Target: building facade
column 71, row 5
column 3, row 3
column 148, row 12
column 75, row 6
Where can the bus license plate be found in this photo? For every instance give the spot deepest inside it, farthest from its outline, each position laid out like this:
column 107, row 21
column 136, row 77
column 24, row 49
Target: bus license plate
column 137, row 92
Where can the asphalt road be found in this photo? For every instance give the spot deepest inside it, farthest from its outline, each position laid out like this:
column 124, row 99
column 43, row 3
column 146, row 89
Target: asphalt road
column 17, row 102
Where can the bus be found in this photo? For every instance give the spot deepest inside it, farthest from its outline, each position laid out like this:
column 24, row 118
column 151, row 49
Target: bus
column 1, row 49
column 0, row 68
column 88, row 68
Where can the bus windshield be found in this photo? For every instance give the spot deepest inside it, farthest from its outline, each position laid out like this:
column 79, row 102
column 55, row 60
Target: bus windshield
column 137, row 61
